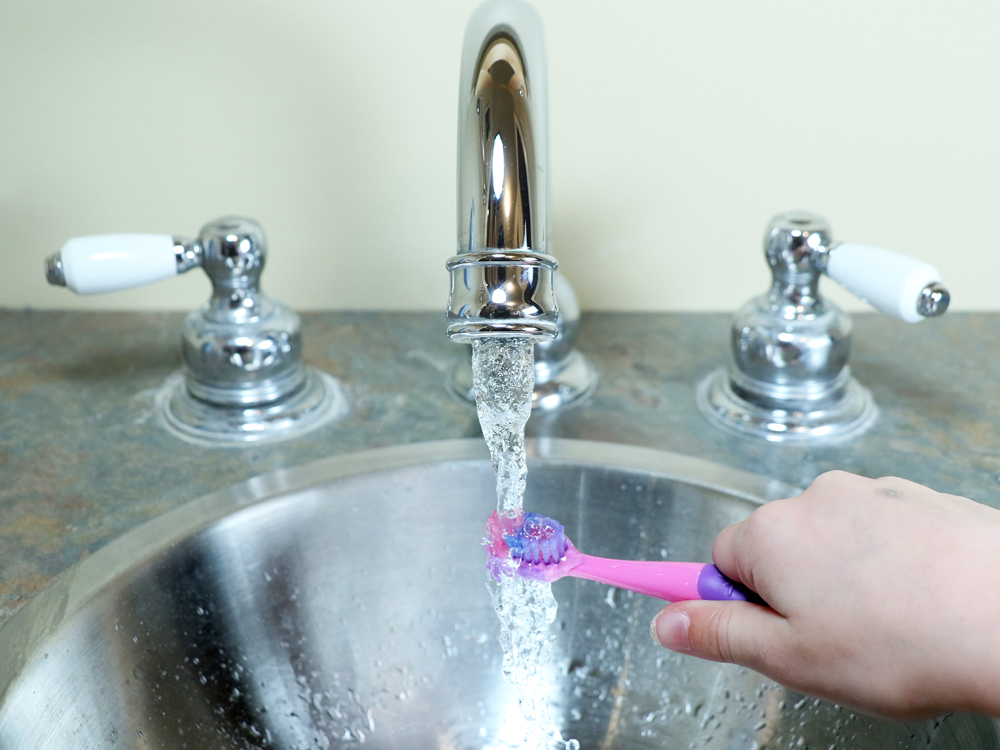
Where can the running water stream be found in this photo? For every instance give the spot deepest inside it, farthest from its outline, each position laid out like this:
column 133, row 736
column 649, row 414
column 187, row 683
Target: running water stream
column 503, row 377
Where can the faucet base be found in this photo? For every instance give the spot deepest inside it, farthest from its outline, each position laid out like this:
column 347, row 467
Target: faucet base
column 317, row 402
column 558, row 385
column 797, row 423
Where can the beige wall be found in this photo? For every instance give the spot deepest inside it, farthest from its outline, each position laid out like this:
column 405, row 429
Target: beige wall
column 677, row 130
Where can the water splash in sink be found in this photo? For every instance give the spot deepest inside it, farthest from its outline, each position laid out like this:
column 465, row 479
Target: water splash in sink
column 503, row 377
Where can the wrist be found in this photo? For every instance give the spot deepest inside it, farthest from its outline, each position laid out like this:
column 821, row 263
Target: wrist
column 984, row 695
column 980, row 688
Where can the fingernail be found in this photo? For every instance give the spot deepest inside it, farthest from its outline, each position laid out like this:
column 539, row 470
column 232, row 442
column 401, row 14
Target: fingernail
column 670, row 629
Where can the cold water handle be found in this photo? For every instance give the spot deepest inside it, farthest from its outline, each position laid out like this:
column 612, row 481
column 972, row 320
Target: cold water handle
column 892, row 283
column 788, row 378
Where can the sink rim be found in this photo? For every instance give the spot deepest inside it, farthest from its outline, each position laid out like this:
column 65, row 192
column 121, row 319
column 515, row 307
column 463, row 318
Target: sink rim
column 27, row 631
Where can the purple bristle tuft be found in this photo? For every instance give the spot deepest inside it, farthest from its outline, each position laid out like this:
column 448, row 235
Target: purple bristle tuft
column 539, row 541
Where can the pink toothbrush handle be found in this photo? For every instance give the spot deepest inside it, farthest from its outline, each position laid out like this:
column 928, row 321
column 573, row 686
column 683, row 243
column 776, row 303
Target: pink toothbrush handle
column 671, row 581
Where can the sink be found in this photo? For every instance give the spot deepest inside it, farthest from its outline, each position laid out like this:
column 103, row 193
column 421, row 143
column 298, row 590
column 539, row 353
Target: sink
column 344, row 602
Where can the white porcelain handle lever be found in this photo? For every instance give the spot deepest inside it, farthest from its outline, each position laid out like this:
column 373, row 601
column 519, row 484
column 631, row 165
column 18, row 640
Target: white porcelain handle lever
column 110, row 262
column 890, row 282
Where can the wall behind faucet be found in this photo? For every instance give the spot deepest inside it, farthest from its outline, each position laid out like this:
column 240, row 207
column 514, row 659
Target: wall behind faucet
column 677, row 130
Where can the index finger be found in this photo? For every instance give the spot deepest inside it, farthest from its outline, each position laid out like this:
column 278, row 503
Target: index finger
column 738, row 548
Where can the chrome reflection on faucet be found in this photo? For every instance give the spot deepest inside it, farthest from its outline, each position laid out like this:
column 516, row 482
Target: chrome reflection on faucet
column 503, row 153
column 503, row 280
column 243, row 378
column 788, row 379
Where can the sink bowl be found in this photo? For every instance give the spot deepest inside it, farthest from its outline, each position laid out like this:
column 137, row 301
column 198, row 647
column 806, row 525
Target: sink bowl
column 343, row 602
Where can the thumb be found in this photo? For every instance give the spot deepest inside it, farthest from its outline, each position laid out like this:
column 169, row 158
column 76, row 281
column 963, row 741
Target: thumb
column 736, row 632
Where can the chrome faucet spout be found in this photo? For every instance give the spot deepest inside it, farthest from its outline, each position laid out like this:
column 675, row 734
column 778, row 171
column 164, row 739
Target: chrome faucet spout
column 503, row 131
column 501, row 278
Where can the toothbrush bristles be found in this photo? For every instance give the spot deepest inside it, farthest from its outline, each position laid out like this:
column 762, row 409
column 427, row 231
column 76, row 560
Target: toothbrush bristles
column 539, row 541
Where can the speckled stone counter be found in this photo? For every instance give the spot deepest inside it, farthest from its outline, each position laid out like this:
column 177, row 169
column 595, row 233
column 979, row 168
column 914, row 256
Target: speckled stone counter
column 84, row 459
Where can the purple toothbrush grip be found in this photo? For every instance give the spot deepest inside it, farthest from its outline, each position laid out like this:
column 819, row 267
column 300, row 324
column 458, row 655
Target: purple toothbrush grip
column 714, row 586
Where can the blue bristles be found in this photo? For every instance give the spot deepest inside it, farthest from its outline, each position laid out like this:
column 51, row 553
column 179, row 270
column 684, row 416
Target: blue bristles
column 540, row 540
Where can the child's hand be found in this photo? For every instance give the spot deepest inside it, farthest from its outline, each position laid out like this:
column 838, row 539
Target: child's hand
column 884, row 596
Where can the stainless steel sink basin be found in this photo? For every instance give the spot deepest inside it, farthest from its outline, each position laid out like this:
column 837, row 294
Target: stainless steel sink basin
column 344, row 602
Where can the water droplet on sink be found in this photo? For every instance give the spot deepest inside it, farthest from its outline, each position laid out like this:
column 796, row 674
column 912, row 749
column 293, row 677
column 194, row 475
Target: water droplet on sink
column 610, row 598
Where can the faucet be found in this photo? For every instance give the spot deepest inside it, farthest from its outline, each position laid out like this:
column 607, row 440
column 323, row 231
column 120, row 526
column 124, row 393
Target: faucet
column 504, row 281
column 243, row 376
column 788, row 380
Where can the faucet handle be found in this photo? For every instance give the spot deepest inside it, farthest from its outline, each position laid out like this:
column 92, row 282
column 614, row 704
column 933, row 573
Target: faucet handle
column 787, row 379
column 111, row 262
column 892, row 283
column 243, row 380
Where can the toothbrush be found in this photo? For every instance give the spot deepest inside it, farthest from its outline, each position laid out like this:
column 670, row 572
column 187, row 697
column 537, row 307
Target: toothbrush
column 545, row 554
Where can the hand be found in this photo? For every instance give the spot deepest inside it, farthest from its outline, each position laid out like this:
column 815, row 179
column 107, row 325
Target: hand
column 884, row 596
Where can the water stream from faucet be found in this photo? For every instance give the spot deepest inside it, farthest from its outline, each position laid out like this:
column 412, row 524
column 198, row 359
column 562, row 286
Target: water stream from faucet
column 503, row 377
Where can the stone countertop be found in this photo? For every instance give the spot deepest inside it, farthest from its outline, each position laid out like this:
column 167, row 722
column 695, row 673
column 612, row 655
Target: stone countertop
column 83, row 458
